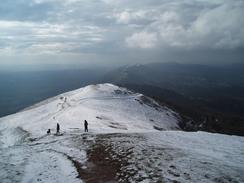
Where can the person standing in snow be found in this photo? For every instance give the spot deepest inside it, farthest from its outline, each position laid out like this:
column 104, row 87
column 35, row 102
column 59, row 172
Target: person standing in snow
column 86, row 126
column 58, row 128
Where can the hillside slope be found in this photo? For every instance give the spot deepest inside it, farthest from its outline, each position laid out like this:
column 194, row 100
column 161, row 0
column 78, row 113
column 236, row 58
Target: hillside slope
column 131, row 139
column 107, row 108
column 211, row 95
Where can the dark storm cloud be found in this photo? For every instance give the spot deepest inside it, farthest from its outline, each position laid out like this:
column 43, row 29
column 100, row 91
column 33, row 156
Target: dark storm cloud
column 122, row 31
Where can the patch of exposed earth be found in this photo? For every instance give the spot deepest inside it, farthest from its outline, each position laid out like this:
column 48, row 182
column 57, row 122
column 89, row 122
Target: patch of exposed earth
column 131, row 158
column 107, row 158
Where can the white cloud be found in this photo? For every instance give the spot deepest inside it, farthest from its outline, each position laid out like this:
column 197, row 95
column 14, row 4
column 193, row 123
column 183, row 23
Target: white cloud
column 128, row 16
column 123, row 17
column 219, row 27
column 223, row 27
column 142, row 40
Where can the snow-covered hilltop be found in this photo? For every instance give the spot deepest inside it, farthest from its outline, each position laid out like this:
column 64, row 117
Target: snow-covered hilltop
column 107, row 108
column 130, row 139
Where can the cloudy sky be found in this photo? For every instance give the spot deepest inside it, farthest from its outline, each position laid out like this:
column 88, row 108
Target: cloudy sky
column 119, row 32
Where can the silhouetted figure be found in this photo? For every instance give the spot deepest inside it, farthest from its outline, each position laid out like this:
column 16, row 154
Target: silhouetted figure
column 49, row 131
column 86, row 126
column 58, row 128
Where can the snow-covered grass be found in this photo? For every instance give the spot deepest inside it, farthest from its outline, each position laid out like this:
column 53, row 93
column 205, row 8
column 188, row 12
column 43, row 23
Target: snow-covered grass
column 128, row 130
column 107, row 108
column 171, row 156
column 49, row 167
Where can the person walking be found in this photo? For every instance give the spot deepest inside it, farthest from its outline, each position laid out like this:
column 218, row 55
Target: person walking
column 58, row 128
column 86, row 126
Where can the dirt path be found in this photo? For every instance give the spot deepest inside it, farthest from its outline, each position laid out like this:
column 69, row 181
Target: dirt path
column 112, row 158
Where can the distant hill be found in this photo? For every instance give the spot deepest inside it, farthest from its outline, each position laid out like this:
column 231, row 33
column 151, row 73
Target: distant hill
column 198, row 90
column 187, row 79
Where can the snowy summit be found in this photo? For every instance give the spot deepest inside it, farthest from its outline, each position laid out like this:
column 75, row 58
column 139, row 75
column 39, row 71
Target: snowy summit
column 130, row 138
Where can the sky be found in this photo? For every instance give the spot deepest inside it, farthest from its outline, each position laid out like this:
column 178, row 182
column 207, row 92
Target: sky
column 120, row 32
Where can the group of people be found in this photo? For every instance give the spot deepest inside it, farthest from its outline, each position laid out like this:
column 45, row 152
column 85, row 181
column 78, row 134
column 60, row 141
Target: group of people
column 58, row 128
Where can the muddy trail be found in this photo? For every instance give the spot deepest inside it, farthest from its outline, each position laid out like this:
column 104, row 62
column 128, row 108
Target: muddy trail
column 104, row 164
column 116, row 158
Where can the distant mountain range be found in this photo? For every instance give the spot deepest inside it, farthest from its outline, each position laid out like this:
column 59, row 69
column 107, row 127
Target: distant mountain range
column 213, row 96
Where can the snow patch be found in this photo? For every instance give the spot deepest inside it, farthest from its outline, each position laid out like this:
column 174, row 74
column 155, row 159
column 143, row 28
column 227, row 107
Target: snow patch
column 50, row 167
